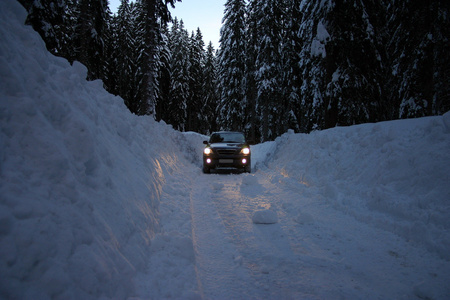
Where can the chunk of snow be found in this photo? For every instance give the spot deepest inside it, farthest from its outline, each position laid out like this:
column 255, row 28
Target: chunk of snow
column 265, row 216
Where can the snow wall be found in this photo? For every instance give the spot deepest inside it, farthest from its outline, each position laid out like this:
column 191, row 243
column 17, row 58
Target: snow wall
column 394, row 175
column 80, row 176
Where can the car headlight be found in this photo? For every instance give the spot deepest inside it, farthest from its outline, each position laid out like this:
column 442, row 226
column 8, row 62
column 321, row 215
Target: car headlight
column 245, row 151
column 207, row 151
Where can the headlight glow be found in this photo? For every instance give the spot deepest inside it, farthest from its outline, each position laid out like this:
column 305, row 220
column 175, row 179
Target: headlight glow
column 245, row 151
column 207, row 151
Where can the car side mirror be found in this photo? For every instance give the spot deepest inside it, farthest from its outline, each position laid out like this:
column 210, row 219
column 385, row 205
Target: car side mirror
column 205, row 142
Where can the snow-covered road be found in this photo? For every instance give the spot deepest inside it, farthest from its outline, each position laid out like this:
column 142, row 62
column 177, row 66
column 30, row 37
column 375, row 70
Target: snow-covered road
column 239, row 258
column 313, row 251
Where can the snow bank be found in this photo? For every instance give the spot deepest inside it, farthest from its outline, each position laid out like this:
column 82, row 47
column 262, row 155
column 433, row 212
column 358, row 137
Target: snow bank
column 262, row 153
column 192, row 144
column 394, row 175
column 80, row 176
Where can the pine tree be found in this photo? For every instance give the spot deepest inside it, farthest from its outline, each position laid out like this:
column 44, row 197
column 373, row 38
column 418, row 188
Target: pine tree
column 342, row 67
column 47, row 17
column 292, row 76
column 163, row 76
column 89, row 36
column 232, row 66
column 54, row 21
column 124, row 32
column 196, row 65
column 210, row 100
column 251, row 93
column 125, row 58
column 180, row 77
column 269, row 67
column 109, row 75
column 152, row 16
column 67, row 44
column 418, row 47
column 146, row 47
column 352, row 66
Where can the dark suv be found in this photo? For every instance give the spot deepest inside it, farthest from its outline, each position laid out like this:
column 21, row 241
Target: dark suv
column 226, row 150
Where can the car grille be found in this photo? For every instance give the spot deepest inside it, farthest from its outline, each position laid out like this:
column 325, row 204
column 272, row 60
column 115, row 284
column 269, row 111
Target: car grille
column 226, row 151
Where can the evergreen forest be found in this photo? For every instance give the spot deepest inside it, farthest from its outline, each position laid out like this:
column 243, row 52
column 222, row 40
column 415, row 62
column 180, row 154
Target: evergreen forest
column 282, row 64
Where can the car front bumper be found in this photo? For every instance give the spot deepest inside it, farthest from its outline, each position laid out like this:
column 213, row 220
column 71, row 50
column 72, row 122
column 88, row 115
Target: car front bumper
column 226, row 162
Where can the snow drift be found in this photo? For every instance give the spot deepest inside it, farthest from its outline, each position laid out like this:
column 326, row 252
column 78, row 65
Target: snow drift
column 80, row 176
column 394, row 175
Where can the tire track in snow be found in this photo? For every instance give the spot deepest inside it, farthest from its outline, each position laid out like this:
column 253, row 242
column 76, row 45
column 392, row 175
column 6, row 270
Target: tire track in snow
column 234, row 257
column 220, row 274
column 265, row 250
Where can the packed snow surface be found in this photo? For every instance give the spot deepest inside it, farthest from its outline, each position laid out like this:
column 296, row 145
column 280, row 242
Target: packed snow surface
column 96, row 203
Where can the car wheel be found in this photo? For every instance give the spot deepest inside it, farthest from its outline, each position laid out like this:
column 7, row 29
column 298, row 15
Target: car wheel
column 206, row 170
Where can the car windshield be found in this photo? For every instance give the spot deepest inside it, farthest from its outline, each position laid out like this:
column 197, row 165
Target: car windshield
column 227, row 137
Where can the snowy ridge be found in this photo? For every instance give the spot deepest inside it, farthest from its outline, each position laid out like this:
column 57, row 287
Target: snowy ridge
column 393, row 175
column 81, row 177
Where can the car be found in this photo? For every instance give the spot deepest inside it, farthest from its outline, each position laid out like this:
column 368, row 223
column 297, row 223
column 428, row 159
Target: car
column 227, row 150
